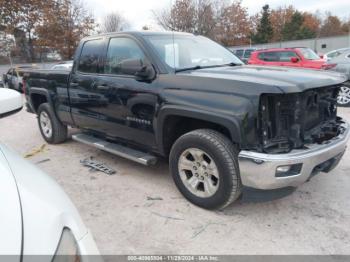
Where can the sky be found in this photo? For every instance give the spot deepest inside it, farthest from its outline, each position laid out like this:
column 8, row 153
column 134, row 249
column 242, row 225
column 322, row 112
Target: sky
column 139, row 12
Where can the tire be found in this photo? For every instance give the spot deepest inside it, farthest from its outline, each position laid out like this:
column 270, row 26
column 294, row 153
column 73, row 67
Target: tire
column 54, row 132
column 214, row 150
column 344, row 95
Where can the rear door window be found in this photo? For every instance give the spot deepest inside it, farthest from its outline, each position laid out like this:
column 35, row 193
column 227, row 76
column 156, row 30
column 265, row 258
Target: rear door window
column 239, row 53
column 90, row 56
column 248, row 53
column 269, row 56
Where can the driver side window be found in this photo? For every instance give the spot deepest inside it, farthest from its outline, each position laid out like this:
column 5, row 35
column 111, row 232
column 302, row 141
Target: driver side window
column 120, row 49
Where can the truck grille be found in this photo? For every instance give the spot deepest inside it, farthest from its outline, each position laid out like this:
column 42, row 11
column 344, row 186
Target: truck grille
column 290, row 121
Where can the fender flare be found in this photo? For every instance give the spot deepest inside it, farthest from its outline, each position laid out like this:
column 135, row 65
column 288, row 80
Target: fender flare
column 39, row 91
column 231, row 124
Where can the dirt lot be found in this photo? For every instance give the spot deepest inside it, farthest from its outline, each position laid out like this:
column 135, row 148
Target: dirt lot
column 119, row 210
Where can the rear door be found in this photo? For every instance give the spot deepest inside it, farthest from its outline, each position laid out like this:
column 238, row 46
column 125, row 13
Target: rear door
column 85, row 98
column 131, row 102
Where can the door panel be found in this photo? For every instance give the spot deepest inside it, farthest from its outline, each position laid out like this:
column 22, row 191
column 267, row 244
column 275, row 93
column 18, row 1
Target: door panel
column 130, row 110
column 85, row 99
column 131, row 103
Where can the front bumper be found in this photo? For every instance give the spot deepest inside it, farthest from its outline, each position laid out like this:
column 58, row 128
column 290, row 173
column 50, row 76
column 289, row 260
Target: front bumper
column 258, row 170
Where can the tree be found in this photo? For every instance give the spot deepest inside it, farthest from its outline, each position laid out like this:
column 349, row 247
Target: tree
column 65, row 22
column 296, row 28
column 264, row 31
column 331, row 26
column 234, row 25
column 279, row 17
column 20, row 18
column 193, row 16
column 312, row 22
column 114, row 22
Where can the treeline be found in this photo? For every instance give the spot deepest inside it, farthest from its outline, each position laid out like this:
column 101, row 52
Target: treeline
column 230, row 23
column 43, row 26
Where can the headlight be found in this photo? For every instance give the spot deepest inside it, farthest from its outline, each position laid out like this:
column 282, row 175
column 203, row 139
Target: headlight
column 68, row 249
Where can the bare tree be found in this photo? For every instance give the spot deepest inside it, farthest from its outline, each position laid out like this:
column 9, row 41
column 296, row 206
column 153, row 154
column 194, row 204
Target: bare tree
column 194, row 16
column 114, row 22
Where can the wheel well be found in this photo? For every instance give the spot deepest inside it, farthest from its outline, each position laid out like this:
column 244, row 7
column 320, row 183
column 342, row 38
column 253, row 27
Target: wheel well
column 37, row 100
column 176, row 126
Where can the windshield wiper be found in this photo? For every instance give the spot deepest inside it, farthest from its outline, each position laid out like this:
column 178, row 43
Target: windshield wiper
column 189, row 68
column 202, row 67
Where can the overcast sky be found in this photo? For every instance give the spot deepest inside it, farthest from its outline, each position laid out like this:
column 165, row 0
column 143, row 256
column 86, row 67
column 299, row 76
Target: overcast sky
column 139, row 12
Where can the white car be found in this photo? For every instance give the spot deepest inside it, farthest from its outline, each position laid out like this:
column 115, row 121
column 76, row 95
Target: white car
column 36, row 216
column 63, row 66
column 334, row 53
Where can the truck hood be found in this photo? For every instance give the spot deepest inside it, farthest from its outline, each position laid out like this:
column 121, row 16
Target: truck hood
column 286, row 79
column 11, row 216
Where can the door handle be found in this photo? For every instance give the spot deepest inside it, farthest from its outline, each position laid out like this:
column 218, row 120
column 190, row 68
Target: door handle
column 74, row 84
column 102, row 87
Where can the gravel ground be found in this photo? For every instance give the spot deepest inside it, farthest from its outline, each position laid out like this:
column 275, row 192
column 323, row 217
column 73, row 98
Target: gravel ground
column 139, row 210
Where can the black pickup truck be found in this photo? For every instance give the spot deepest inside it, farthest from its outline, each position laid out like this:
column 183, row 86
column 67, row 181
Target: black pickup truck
column 222, row 125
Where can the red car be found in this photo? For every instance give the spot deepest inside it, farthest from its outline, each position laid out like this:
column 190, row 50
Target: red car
column 294, row 57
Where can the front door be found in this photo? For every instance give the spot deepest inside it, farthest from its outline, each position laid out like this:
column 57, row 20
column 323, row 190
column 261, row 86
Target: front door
column 131, row 103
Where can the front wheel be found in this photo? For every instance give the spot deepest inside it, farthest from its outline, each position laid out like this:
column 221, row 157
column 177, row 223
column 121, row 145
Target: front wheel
column 204, row 167
column 344, row 96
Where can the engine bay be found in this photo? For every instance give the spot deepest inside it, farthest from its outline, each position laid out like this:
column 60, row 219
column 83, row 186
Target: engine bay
column 291, row 121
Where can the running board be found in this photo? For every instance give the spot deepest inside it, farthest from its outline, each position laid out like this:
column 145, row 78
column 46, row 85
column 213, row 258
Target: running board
column 116, row 149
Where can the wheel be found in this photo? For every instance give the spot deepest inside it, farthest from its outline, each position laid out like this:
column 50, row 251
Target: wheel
column 52, row 130
column 344, row 96
column 204, row 167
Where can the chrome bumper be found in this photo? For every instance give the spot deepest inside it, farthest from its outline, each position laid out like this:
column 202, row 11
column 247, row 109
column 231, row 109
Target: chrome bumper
column 258, row 170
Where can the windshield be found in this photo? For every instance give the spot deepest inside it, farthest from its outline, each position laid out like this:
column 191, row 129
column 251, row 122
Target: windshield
column 182, row 52
column 308, row 54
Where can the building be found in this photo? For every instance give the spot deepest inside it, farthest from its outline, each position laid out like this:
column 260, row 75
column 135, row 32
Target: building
column 320, row 45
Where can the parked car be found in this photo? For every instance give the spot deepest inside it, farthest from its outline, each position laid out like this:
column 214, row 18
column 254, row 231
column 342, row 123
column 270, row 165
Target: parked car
column 66, row 65
column 244, row 53
column 1, row 81
column 37, row 217
column 342, row 64
column 221, row 124
column 293, row 57
column 333, row 54
column 13, row 77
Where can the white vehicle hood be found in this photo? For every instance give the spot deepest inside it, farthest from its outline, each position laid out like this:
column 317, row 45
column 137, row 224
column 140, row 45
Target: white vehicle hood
column 46, row 210
column 10, row 212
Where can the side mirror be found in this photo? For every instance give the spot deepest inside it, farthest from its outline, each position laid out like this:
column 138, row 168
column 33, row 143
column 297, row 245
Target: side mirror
column 294, row 60
column 142, row 69
column 10, row 102
column 321, row 56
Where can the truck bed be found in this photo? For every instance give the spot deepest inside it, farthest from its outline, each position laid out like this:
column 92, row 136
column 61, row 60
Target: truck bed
column 46, row 78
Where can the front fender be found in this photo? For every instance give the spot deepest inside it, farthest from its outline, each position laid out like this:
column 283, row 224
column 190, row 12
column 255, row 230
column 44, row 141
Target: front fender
column 230, row 123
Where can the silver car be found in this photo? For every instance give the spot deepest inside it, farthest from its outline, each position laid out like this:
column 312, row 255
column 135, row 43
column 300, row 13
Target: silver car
column 342, row 64
column 334, row 53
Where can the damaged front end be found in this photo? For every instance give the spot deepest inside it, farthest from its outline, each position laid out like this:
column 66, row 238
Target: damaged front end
column 292, row 121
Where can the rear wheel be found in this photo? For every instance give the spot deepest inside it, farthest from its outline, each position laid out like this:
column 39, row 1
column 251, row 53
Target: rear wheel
column 204, row 167
column 52, row 130
column 344, row 96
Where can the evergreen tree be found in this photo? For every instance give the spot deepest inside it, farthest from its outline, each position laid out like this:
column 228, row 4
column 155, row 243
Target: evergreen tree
column 295, row 28
column 264, row 32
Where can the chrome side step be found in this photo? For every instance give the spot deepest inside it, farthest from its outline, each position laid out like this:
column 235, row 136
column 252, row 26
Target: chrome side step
column 116, row 149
